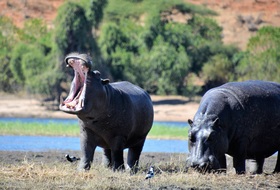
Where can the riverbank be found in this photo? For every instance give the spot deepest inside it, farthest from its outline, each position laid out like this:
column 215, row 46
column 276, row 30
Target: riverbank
column 166, row 108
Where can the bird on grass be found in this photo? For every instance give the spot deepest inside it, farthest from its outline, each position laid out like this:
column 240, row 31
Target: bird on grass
column 150, row 173
column 71, row 158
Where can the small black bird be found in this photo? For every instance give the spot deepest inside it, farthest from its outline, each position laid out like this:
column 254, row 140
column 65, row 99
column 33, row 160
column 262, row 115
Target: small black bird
column 150, row 173
column 71, row 158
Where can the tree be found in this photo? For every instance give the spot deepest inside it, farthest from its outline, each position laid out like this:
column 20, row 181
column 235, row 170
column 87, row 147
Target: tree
column 8, row 38
column 72, row 30
column 95, row 11
column 164, row 68
column 73, row 33
column 16, row 62
column 262, row 58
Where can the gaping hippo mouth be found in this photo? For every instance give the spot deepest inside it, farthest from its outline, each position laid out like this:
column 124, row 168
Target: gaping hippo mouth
column 74, row 103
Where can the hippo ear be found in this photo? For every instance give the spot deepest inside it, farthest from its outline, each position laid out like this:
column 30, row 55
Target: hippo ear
column 190, row 122
column 97, row 73
column 105, row 81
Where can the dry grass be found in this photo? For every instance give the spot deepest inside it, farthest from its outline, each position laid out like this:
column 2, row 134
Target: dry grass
column 168, row 175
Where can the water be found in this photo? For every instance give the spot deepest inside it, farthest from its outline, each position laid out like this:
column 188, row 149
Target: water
column 45, row 143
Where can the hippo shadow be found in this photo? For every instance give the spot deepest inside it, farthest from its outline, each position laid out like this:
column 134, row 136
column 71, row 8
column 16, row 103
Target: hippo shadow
column 171, row 102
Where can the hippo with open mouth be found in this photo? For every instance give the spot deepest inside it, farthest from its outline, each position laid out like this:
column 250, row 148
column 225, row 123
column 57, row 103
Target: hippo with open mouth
column 241, row 119
column 113, row 116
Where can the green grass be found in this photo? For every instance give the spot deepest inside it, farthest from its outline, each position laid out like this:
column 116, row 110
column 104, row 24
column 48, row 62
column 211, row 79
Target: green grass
column 58, row 129
column 33, row 128
column 164, row 132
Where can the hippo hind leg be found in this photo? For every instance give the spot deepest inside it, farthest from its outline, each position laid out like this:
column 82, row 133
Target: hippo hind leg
column 277, row 167
column 256, row 166
column 134, row 155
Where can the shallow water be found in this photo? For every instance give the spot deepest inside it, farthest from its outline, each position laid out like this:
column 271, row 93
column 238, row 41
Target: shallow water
column 45, row 143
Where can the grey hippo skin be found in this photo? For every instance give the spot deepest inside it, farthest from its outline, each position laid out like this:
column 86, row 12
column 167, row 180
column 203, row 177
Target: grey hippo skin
column 241, row 119
column 113, row 116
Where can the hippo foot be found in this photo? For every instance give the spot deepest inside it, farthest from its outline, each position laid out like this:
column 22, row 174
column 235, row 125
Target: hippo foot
column 83, row 167
column 132, row 170
column 120, row 168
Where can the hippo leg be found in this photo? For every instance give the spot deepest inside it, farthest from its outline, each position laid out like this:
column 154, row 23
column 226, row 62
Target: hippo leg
column 239, row 165
column 223, row 163
column 277, row 167
column 134, row 155
column 107, row 160
column 117, row 146
column 87, row 147
column 256, row 166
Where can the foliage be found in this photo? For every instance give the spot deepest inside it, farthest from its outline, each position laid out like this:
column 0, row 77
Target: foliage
column 30, row 65
column 261, row 61
column 133, row 40
column 73, row 30
column 16, row 62
column 166, row 69
column 159, row 48
column 94, row 12
column 8, row 38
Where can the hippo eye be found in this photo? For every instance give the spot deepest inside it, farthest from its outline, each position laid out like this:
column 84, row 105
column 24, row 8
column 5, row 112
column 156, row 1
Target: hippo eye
column 192, row 138
column 211, row 137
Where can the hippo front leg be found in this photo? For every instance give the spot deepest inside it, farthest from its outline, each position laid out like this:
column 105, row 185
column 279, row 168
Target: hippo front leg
column 239, row 165
column 134, row 156
column 223, row 163
column 117, row 147
column 88, row 147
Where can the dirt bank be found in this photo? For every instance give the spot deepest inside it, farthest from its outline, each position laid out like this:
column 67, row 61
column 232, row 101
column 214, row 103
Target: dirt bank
column 166, row 108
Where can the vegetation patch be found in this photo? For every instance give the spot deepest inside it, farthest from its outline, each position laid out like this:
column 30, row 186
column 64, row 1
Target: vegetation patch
column 133, row 40
column 168, row 175
column 58, row 129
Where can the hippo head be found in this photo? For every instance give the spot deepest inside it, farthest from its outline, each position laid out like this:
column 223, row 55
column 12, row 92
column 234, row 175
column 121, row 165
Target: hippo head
column 87, row 88
column 207, row 144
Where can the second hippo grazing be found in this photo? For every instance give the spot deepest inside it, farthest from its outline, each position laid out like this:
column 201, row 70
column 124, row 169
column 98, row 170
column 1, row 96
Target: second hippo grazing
column 113, row 116
column 241, row 119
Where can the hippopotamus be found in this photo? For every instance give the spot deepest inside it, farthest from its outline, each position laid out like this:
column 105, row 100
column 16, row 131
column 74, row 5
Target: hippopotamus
column 241, row 119
column 113, row 116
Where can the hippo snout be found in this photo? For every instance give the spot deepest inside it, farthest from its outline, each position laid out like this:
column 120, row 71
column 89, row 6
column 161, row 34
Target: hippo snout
column 205, row 164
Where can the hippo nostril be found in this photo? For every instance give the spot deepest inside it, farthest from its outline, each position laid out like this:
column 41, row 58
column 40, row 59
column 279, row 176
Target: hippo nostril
column 194, row 164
